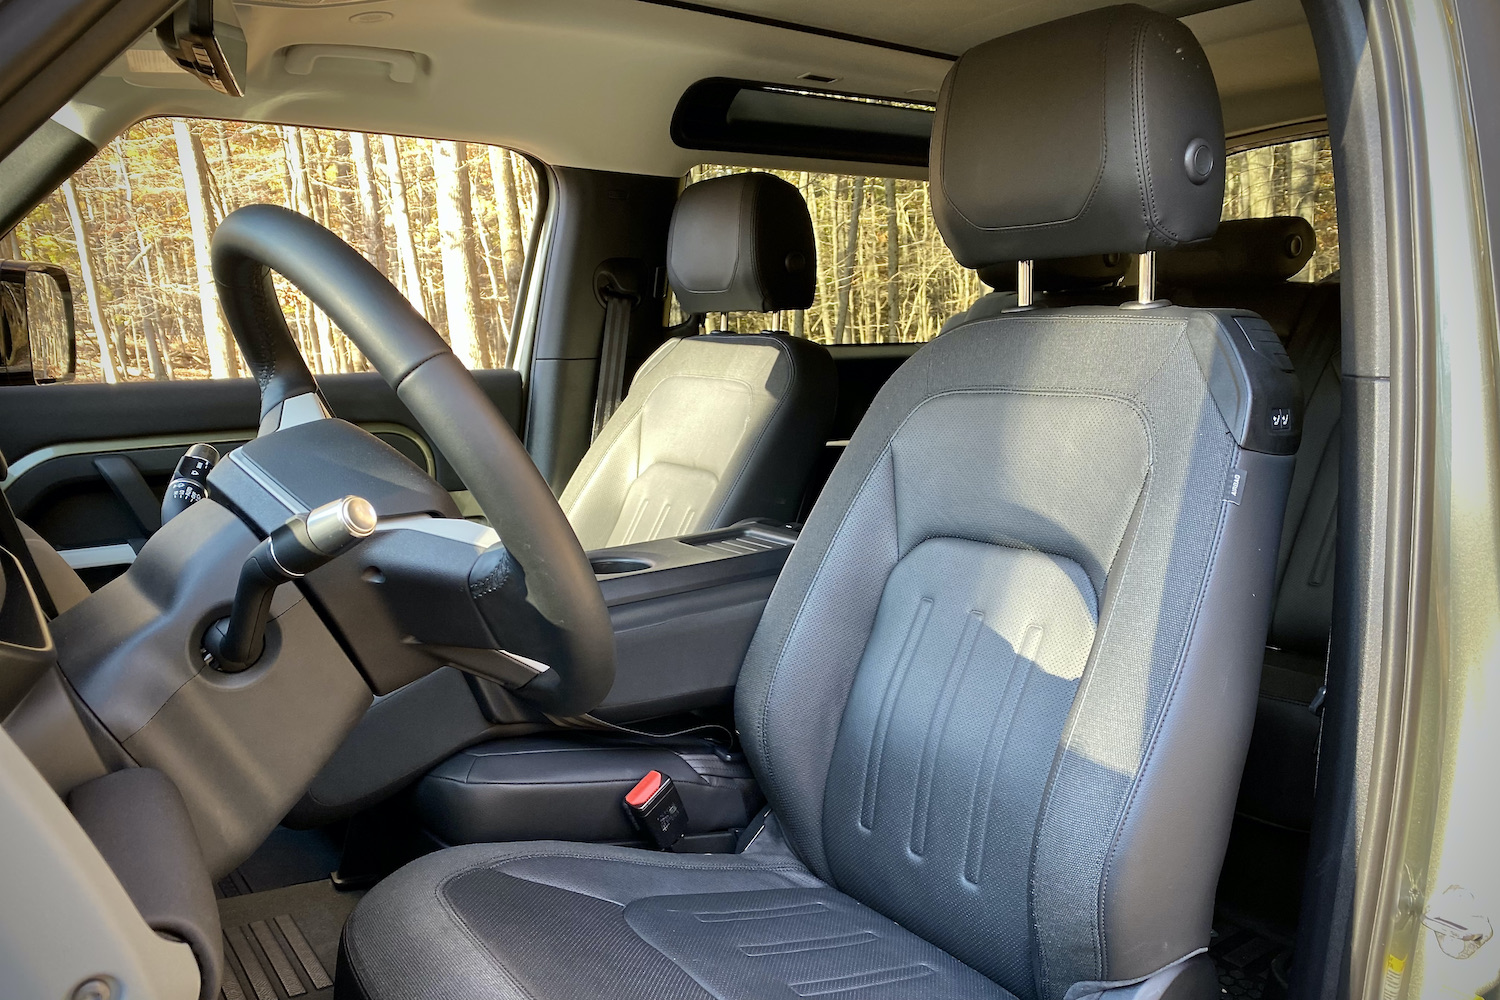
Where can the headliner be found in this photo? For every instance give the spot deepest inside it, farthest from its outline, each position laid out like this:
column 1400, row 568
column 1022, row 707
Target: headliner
column 593, row 83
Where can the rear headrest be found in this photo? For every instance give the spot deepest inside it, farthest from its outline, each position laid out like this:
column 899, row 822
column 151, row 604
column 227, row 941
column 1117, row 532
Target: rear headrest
column 742, row 243
column 1243, row 251
column 1066, row 275
column 1098, row 133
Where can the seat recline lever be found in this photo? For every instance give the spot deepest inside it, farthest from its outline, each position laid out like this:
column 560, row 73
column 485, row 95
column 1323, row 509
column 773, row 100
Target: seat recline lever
column 304, row 543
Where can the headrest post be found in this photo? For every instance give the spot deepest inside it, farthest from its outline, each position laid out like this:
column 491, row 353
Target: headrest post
column 1145, row 292
column 1024, row 291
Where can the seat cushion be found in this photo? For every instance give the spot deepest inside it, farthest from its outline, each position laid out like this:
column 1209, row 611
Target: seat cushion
column 511, row 922
column 572, row 787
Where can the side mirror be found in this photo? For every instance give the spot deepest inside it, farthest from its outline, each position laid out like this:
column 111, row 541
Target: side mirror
column 38, row 341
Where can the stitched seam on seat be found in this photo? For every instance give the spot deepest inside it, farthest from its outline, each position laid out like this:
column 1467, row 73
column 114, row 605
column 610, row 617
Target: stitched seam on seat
column 1138, row 122
column 471, row 782
column 761, row 736
column 1086, row 682
column 1177, row 671
column 440, row 895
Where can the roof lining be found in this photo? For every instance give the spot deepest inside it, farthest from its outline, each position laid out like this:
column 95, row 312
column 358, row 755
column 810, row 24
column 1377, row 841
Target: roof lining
column 773, row 22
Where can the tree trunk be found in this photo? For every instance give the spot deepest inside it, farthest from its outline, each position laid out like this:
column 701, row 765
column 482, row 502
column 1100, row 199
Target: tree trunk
column 221, row 359
column 513, row 245
column 846, row 263
column 892, row 260
column 1302, row 179
column 301, row 327
column 496, row 292
column 369, row 200
column 302, row 202
column 455, row 221
column 86, row 272
column 406, row 247
column 150, row 320
column 1260, row 186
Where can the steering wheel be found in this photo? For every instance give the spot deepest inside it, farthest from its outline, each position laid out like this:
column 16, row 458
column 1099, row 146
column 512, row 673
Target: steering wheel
column 535, row 588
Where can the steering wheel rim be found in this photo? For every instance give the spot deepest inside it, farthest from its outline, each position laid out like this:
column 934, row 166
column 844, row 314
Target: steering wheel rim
column 252, row 243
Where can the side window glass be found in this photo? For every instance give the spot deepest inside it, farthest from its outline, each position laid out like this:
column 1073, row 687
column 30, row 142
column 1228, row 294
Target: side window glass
column 450, row 223
column 1288, row 178
column 884, row 273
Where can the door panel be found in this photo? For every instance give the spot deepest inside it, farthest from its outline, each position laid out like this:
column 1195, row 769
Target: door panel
column 55, row 435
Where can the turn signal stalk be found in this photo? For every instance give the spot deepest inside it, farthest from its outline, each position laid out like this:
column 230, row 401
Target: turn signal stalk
column 289, row 553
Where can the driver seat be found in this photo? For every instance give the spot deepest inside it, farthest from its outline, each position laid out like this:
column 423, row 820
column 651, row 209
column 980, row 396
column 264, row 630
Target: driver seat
column 1001, row 696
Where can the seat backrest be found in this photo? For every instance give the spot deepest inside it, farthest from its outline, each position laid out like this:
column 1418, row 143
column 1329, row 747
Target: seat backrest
column 716, row 428
column 1003, row 690
column 1247, row 264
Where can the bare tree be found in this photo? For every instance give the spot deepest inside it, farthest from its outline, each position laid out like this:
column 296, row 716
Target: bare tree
column 455, row 222
column 369, row 199
column 90, row 287
column 406, row 248
column 222, row 362
column 150, row 319
column 302, row 202
column 513, row 247
column 892, row 259
column 846, row 263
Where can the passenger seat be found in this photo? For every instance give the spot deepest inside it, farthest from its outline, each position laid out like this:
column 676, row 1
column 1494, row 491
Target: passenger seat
column 722, row 427
column 1247, row 265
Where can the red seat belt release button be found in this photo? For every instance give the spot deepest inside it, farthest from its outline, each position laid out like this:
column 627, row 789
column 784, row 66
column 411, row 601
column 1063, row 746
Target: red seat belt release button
column 656, row 809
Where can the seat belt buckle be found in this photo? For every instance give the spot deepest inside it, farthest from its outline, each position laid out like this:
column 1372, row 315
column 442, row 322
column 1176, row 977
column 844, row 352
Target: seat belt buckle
column 656, row 809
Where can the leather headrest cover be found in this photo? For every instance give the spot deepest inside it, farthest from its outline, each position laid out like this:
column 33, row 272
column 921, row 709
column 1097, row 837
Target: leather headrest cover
column 742, row 243
column 1243, row 251
column 1098, row 133
column 1071, row 273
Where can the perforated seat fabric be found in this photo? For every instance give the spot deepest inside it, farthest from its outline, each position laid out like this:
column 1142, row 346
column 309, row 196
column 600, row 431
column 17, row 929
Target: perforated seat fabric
column 715, row 429
column 1001, row 695
column 510, row 922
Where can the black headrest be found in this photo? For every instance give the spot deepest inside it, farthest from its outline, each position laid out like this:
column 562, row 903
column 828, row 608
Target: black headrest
column 1098, row 133
column 742, row 243
column 1243, row 251
column 1066, row 275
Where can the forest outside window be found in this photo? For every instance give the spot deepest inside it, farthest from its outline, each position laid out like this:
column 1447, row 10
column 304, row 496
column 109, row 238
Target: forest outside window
column 450, row 223
column 886, row 276
column 884, row 273
column 1288, row 178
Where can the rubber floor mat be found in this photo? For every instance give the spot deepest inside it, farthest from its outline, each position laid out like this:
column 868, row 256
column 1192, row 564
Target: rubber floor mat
column 1244, row 961
column 283, row 944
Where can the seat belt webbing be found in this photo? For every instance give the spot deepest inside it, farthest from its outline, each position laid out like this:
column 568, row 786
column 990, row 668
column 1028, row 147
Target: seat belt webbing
column 612, row 358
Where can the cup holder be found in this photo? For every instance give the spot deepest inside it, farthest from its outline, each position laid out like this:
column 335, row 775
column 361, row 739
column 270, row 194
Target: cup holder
column 614, row 567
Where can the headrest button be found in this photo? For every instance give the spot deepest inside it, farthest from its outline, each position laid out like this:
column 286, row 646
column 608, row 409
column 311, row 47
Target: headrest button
column 795, row 262
column 1199, row 161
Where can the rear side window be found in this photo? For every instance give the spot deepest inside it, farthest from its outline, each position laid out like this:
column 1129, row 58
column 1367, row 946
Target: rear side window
column 884, row 273
column 450, row 223
column 1288, row 178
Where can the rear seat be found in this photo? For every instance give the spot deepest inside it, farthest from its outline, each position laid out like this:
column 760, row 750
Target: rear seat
column 1247, row 266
